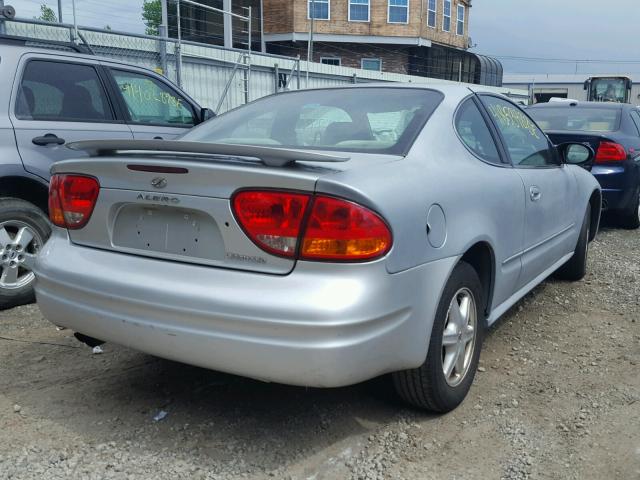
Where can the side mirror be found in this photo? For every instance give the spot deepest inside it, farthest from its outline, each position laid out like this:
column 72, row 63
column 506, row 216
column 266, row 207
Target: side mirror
column 206, row 114
column 577, row 154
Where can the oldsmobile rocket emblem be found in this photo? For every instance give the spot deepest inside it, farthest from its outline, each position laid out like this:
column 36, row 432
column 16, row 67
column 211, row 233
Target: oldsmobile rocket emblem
column 159, row 182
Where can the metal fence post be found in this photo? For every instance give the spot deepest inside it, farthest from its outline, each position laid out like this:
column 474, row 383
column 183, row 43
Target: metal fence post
column 248, row 70
column 2, row 26
column 162, row 48
column 179, row 48
column 75, row 21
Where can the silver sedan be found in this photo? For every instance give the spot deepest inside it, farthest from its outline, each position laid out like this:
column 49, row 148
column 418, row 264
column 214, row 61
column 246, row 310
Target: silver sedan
column 320, row 237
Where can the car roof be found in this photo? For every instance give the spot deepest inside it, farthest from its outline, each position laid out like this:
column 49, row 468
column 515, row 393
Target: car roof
column 453, row 91
column 17, row 47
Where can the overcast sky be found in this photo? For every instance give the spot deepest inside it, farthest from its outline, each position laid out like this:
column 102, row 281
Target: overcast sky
column 560, row 29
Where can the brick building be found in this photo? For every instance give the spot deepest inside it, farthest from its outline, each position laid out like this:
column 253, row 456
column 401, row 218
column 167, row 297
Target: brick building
column 416, row 37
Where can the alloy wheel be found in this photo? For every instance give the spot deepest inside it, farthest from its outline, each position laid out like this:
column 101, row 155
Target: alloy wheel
column 19, row 244
column 459, row 337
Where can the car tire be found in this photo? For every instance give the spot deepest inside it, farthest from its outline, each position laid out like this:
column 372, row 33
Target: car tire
column 429, row 386
column 23, row 230
column 576, row 268
column 630, row 219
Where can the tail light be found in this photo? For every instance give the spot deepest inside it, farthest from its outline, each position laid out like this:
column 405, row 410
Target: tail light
column 610, row 152
column 311, row 227
column 72, row 199
column 272, row 219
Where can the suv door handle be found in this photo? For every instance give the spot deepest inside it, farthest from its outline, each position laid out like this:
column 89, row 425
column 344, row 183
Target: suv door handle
column 534, row 193
column 48, row 139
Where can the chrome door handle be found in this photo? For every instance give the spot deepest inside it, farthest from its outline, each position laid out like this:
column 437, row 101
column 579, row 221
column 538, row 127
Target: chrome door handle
column 534, row 193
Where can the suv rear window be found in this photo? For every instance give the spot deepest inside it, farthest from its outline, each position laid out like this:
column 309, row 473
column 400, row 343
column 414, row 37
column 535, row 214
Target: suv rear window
column 58, row 91
column 577, row 119
column 368, row 120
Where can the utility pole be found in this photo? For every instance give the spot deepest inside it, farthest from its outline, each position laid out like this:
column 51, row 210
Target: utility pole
column 310, row 44
column 60, row 11
column 263, row 45
column 165, row 16
column 227, row 22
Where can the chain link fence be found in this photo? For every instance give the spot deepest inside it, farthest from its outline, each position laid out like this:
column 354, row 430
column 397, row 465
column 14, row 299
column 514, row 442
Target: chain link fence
column 216, row 77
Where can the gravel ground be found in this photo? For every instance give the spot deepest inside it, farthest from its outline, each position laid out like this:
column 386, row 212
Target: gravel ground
column 557, row 396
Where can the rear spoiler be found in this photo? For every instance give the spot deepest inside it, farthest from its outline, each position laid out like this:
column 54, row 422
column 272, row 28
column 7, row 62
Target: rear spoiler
column 273, row 157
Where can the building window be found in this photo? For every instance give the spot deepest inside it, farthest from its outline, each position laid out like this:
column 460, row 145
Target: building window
column 372, row 64
column 398, row 11
column 359, row 10
column 460, row 21
column 331, row 61
column 321, row 8
column 446, row 18
column 431, row 14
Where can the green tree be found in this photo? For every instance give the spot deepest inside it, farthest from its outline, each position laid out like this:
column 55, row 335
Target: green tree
column 47, row 14
column 152, row 16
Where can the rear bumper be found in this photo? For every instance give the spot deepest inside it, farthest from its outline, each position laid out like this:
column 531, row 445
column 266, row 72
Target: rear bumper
column 323, row 325
column 619, row 185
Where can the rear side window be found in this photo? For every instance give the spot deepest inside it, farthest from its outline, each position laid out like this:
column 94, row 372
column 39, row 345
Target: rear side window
column 577, row 119
column 150, row 101
column 57, row 91
column 475, row 134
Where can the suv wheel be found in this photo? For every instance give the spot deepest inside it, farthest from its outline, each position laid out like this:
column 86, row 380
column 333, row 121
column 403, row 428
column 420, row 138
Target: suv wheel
column 23, row 230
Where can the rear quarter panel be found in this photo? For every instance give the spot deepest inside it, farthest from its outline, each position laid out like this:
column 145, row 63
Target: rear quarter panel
column 481, row 202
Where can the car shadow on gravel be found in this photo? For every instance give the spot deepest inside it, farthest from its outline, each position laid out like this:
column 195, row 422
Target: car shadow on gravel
column 114, row 397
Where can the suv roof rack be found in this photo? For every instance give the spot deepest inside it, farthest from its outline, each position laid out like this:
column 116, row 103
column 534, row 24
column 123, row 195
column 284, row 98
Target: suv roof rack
column 44, row 43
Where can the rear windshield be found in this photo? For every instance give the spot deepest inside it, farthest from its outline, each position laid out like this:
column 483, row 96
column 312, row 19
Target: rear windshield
column 576, row 119
column 368, row 120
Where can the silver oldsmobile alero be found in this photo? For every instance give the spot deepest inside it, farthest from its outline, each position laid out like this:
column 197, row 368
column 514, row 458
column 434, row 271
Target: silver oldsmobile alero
column 320, row 237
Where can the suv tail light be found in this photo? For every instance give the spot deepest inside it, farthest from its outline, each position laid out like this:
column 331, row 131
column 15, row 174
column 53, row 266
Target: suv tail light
column 610, row 152
column 311, row 227
column 72, row 199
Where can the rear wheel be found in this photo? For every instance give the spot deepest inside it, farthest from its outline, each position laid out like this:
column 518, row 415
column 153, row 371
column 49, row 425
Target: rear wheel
column 442, row 382
column 631, row 218
column 576, row 268
column 23, row 230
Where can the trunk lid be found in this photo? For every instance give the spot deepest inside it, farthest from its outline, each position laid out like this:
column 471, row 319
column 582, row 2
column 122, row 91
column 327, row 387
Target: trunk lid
column 148, row 208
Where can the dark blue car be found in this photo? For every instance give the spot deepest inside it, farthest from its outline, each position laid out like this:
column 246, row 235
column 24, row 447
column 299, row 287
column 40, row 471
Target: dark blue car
column 613, row 131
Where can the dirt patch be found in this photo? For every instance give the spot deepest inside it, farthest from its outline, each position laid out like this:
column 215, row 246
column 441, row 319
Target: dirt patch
column 558, row 396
